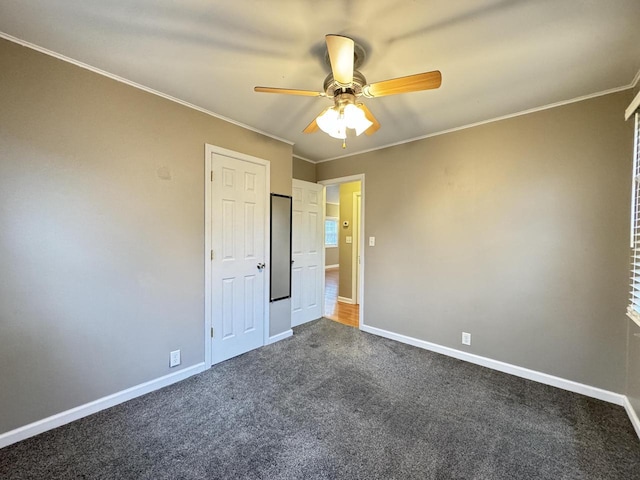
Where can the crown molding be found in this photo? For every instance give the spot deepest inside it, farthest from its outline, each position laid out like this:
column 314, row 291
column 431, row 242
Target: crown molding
column 635, row 80
column 117, row 78
column 492, row 120
column 633, row 106
column 139, row 86
column 635, row 103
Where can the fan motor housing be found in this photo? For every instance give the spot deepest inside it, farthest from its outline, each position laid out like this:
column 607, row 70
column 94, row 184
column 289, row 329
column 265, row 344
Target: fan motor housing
column 333, row 88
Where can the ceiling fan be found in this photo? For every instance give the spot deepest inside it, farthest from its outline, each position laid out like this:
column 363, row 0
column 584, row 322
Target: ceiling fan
column 345, row 84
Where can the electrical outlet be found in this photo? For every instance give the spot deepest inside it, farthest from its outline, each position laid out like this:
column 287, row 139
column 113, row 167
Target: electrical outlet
column 466, row 338
column 174, row 359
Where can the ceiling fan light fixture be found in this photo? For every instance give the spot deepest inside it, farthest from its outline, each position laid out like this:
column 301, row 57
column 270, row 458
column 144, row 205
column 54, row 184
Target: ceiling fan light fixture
column 355, row 118
column 335, row 123
column 331, row 123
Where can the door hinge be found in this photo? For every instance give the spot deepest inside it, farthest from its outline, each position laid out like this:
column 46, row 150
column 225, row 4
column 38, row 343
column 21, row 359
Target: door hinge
column 212, row 175
column 211, row 332
column 212, row 255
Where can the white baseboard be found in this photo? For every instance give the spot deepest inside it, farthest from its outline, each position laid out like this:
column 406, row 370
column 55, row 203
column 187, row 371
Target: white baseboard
column 522, row 372
column 329, row 267
column 345, row 300
column 279, row 336
column 103, row 403
column 633, row 416
column 81, row 411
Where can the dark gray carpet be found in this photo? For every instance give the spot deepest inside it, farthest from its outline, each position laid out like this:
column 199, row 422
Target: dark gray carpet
column 333, row 402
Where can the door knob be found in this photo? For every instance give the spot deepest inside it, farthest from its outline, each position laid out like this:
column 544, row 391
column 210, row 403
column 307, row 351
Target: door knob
column 261, row 266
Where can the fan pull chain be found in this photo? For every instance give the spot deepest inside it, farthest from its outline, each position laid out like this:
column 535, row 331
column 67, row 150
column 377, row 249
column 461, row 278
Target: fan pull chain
column 344, row 143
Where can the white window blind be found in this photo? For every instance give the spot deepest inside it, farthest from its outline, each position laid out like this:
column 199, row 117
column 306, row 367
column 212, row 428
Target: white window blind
column 634, row 304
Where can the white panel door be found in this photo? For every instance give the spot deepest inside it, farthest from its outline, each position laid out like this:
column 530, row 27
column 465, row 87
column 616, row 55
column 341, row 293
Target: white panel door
column 238, row 210
column 307, row 270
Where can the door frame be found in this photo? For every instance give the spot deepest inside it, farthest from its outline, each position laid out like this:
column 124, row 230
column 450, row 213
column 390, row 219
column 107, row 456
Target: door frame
column 360, row 293
column 356, row 251
column 208, row 190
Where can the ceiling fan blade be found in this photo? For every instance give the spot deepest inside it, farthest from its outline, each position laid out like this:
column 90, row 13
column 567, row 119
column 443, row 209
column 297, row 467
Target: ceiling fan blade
column 411, row 83
column 341, row 56
column 289, row 91
column 312, row 127
column 367, row 113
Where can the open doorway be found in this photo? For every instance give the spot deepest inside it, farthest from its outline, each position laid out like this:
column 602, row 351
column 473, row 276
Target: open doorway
column 343, row 249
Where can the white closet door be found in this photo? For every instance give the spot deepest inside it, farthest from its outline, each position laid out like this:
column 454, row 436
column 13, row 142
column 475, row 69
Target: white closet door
column 238, row 209
column 308, row 241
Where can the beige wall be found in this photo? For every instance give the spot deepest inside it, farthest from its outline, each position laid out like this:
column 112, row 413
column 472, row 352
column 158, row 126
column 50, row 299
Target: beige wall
column 332, row 256
column 101, row 232
column 346, row 250
column 515, row 231
column 333, row 210
column 303, row 170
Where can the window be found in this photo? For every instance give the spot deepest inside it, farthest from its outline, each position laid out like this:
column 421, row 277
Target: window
column 634, row 304
column 331, row 232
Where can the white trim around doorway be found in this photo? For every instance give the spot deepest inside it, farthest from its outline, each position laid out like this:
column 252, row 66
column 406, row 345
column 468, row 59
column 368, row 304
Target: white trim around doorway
column 360, row 293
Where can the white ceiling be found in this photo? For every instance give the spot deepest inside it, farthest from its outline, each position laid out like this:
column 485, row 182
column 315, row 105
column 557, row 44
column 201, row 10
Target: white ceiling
column 497, row 57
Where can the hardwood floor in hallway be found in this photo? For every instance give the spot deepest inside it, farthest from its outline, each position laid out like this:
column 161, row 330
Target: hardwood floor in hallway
column 341, row 312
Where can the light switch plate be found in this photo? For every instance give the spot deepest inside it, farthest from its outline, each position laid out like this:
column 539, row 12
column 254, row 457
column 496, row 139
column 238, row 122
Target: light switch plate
column 372, row 241
column 349, row 239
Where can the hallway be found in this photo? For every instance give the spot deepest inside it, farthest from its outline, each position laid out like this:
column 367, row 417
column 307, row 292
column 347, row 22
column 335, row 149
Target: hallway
column 341, row 312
